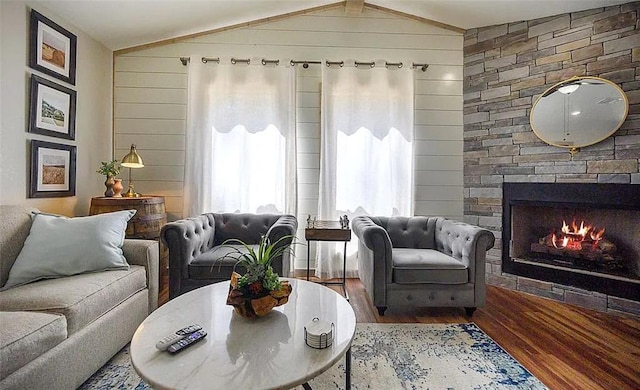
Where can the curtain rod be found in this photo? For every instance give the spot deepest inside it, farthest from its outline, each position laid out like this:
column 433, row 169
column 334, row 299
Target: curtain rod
column 305, row 63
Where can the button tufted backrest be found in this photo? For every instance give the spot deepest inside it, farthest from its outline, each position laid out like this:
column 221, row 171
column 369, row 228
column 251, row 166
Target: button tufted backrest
column 412, row 232
column 246, row 227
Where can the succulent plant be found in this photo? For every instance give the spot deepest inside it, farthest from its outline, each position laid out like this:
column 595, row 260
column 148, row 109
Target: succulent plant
column 259, row 274
column 109, row 168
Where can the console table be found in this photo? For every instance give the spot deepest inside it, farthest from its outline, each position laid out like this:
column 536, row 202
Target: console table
column 329, row 231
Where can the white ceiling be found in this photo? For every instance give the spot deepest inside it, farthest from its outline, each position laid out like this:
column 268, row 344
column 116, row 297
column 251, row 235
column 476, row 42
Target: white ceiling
column 120, row 24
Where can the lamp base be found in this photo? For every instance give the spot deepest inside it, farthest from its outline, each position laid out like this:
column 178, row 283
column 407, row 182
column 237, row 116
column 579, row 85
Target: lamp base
column 131, row 193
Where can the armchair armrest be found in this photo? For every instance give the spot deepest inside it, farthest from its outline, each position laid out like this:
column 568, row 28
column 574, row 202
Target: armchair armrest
column 467, row 243
column 463, row 241
column 371, row 234
column 186, row 239
column 374, row 257
column 286, row 225
column 146, row 254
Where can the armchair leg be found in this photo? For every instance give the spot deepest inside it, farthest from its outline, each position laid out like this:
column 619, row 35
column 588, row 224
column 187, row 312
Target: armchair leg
column 469, row 311
column 381, row 310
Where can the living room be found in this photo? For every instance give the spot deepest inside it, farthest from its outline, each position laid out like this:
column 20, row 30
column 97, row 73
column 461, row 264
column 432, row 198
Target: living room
column 471, row 114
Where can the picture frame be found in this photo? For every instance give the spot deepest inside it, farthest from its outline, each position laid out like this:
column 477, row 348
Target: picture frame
column 52, row 49
column 52, row 109
column 53, row 170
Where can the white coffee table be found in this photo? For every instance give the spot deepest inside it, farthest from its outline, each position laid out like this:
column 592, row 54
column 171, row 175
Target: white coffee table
column 266, row 353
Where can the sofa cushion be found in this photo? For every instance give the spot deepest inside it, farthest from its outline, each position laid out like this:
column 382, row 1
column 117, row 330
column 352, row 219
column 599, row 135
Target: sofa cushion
column 218, row 262
column 27, row 335
column 412, row 266
column 14, row 229
column 80, row 298
column 60, row 246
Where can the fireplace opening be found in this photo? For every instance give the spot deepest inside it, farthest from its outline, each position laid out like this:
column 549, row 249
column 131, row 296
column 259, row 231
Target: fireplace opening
column 596, row 241
column 582, row 235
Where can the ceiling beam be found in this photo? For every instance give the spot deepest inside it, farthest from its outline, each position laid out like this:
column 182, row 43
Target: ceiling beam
column 415, row 17
column 354, row 7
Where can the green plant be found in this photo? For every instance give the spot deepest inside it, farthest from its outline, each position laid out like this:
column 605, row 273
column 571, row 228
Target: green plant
column 109, row 168
column 259, row 274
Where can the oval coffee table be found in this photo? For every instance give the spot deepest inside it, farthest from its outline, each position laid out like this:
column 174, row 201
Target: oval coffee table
column 266, row 353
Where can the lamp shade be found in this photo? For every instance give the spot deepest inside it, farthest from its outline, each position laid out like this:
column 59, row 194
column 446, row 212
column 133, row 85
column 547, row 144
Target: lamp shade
column 132, row 159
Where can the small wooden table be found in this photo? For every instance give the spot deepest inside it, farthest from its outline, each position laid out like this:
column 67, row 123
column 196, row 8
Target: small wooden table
column 150, row 213
column 329, row 231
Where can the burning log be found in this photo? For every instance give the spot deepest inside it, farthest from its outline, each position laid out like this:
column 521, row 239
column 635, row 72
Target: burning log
column 578, row 242
column 582, row 246
column 603, row 245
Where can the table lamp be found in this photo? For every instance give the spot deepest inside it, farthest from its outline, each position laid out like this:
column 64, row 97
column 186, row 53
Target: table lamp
column 132, row 160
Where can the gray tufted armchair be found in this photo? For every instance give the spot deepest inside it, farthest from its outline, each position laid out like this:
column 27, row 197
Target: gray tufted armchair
column 195, row 255
column 422, row 261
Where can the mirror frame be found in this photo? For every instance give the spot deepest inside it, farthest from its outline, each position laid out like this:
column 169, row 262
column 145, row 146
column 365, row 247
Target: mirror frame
column 575, row 148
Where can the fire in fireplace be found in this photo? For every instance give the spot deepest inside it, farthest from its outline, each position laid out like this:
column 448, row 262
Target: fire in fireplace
column 574, row 238
column 582, row 246
column 582, row 235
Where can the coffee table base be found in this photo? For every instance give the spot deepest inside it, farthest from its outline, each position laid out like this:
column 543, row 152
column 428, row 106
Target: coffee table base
column 347, row 371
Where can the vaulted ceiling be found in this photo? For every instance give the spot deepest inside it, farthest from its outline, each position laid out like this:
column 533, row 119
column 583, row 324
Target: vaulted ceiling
column 121, row 24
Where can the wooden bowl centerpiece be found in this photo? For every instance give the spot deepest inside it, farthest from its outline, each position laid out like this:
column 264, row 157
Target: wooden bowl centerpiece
column 259, row 290
column 254, row 300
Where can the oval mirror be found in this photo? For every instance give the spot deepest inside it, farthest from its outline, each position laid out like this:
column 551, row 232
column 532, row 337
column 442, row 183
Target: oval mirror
column 579, row 112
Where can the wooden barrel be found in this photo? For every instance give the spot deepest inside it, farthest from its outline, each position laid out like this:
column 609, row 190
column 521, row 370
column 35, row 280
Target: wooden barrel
column 146, row 223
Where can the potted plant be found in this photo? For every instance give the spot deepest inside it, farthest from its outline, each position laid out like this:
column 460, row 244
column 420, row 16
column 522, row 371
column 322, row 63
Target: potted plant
column 110, row 169
column 259, row 290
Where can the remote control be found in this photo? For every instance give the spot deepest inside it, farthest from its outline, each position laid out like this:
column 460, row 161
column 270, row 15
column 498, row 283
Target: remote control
column 177, row 336
column 169, row 340
column 189, row 329
column 187, row 341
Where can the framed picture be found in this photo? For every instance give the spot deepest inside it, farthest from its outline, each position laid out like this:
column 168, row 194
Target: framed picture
column 52, row 48
column 52, row 110
column 53, row 170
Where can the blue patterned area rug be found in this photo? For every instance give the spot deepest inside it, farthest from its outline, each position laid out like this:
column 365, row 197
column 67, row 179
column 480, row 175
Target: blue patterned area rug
column 391, row 356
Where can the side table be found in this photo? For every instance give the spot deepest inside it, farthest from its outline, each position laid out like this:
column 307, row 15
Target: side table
column 329, row 231
column 150, row 213
column 146, row 224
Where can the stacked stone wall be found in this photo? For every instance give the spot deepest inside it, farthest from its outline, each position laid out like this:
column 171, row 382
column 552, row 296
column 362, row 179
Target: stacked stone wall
column 506, row 68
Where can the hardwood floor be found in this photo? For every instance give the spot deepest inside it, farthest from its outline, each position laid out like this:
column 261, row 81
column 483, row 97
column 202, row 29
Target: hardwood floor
column 566, row 347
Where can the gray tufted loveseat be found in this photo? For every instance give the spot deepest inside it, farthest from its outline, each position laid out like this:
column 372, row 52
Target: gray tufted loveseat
column 196, row 258
column 422, row 261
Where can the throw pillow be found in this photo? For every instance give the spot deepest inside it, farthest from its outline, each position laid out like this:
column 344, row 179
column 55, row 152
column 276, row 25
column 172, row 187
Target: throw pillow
column 60, row 246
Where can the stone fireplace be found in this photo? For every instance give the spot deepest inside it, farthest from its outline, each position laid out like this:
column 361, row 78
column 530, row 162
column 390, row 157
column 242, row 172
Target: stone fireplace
column 506, row 67
column 598, row 249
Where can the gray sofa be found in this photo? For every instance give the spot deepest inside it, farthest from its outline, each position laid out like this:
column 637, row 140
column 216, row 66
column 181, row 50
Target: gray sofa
column 196, row 258
column 58, row 332
column 422, row 261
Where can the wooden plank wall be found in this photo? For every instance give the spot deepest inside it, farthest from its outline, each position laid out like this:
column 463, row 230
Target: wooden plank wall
column 150, row 99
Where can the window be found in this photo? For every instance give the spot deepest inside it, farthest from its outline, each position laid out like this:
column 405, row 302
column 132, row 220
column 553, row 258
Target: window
column 366, row 162
column 240, row 153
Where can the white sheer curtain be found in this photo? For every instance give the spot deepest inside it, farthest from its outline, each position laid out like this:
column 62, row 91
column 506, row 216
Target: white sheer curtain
column 366, row 160
column 240, row 144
